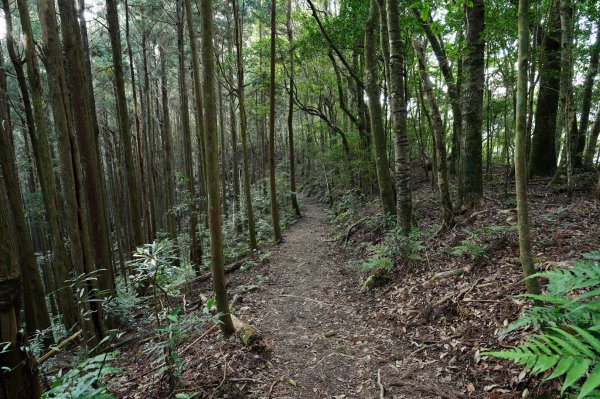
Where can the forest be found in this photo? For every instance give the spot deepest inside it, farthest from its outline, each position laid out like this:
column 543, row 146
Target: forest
column 299, row 199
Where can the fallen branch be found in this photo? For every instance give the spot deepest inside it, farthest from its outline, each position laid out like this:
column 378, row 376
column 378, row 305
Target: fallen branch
column 57, row 349
column 381, row 388
column 228, row 269
column 445, row 274
column 349, row 231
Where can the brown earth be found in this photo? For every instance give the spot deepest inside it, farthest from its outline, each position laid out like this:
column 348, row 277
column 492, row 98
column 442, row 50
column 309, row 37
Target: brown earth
column 322, row 337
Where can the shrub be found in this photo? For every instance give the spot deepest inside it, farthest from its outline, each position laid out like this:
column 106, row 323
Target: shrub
column 567, row 318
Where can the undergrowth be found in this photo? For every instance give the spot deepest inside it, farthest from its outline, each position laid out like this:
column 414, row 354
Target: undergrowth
column 566, row 320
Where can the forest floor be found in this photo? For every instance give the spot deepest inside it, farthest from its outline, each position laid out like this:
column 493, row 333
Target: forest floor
column 324, row 337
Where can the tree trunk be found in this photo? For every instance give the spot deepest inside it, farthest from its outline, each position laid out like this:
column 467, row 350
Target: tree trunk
column 167, row 142
column 213, row 184
column 590, row 143
column 81, row 104
column 21, row 381
column 453, row 92
column 273, row 191
column 41, row 148
column 377, row 132
column 521, row 150
column 112, row 18
column 397, row 85
column 566, row 85
column 290, row 120
column 440, row 139
column 244, row 125
column 472, row 107
column 36, row 313
column 75, row 206
column 542, row 159
column 196, row 248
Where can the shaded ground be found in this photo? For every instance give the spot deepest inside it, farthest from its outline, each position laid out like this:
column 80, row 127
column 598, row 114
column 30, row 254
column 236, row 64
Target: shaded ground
column 324, row 338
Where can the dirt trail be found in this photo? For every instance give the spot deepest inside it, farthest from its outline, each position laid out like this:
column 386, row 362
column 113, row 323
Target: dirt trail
column 310, row 316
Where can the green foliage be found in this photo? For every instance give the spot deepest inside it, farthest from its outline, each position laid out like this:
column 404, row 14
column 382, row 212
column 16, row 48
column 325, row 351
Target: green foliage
column 84, row 380
column 407, row 248
column 568, row 318
column 469, row 247
column 155, row 265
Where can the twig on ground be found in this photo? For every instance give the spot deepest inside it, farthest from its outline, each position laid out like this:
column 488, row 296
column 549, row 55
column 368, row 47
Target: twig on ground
column 200, row 337
column 381, row 388
column 57, row 349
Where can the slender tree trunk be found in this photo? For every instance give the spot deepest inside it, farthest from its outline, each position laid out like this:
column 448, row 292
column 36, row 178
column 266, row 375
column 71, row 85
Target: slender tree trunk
column 472, row 107
column 440, row 140
column 244, row 124
column 397, row 85
column 521, row 150
column 386, row 193
column 212, row 152
column 453, row 92
column 593, row 138
column 274, row 211
column 196, row 248
column 112, row 18
column 290, row 120
column 167, row 142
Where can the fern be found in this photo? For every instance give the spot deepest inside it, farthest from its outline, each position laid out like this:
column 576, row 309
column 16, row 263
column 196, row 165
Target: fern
column 570, row 351
column 568, row 319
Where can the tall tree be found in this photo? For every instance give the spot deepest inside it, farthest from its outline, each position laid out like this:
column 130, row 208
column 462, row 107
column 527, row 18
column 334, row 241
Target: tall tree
column 384, row 180
column 590, row 141
column 36, row 123
column 244, row 124
column 83, row 113
column 273, row 190
column 36, row 312
column 521, row 149
column 212, row 168
column 290, row 120
column 112, row 18
column 21, row 379
column 196, row 245
column 397, row 85
column 471, row 167
column 440, row 139
column 542, row 161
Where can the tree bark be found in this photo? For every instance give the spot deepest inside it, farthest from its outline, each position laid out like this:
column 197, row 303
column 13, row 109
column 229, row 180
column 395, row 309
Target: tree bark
column 542, row 159
column 290, row 120
column 81, row 104
column 112, row 18
column 521, row 150
column 196, row 248
column 41, row 148
column 472, row 107
column 21, row 381
column 273, row 190
column 36, row 312
column 440, row 140
column 590, row 143
column 244, row 126
column 397, row 85
column 212, row 152
column 377, row 132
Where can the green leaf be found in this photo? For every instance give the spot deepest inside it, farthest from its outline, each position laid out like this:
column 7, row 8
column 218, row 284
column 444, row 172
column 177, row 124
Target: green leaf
column 579, row 368
column 592, row 382
column 292, row 382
